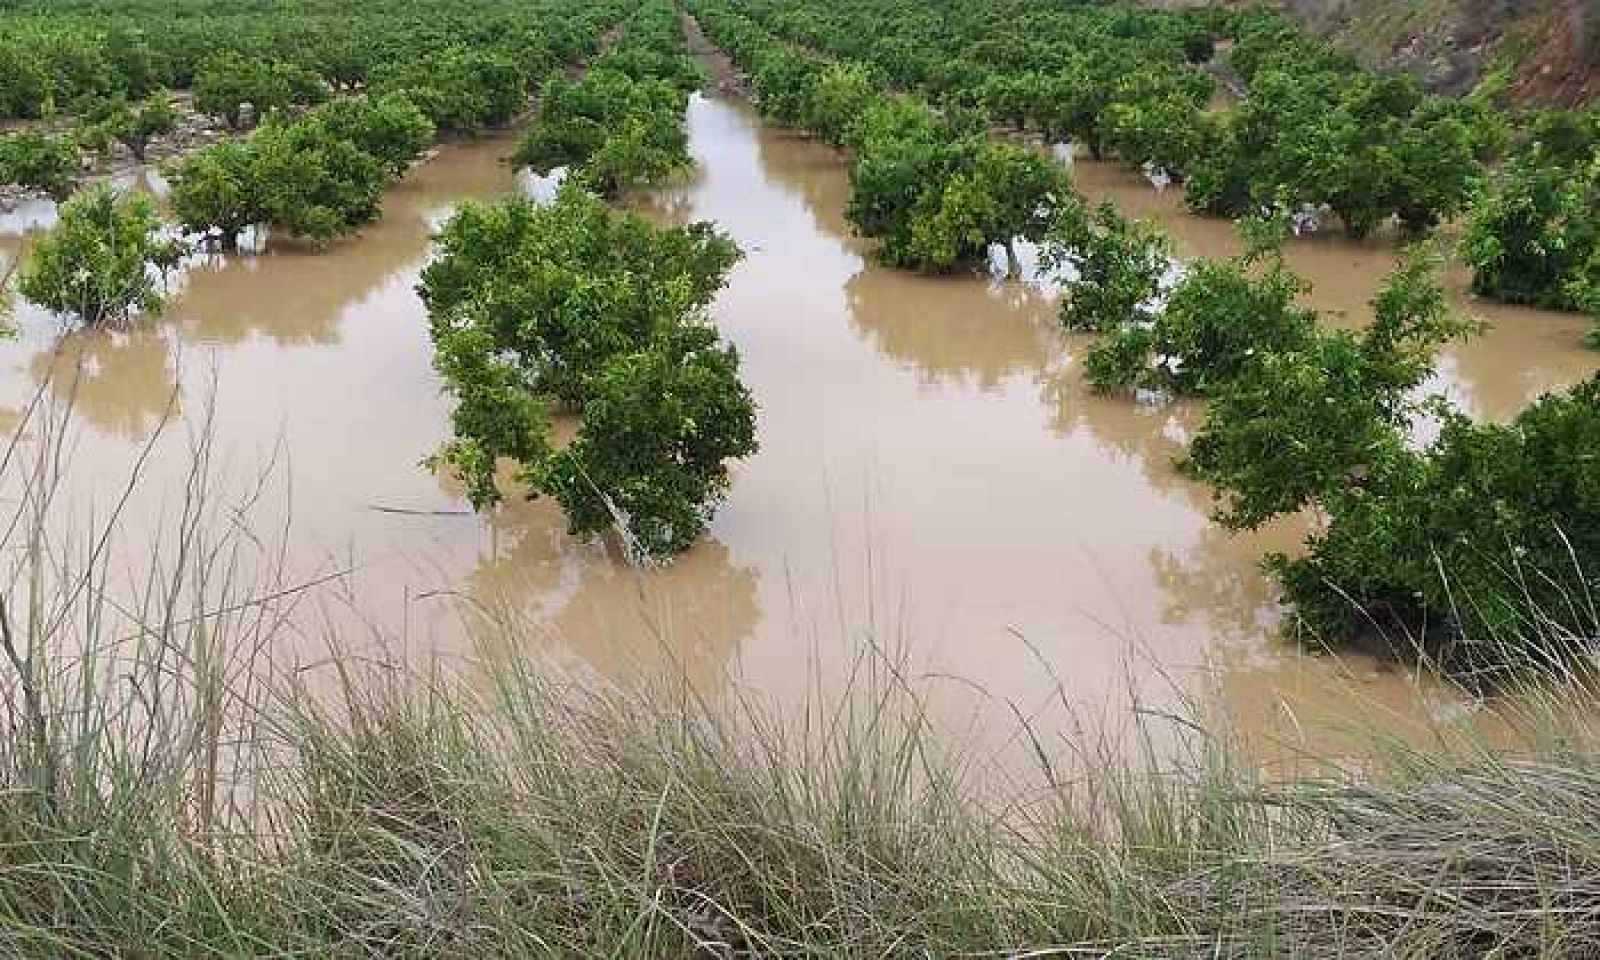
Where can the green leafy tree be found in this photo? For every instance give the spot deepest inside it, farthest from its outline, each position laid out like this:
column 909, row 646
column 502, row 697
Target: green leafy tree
column 390, row 128
column 226, row 83
column 462, row 90
column 1533, row 237
column 1218, row 316
column 217, row 188
column 836, row 97
column 658, row 432
column 1167, row 131
column 615, row 131
column 39, row 162
column 134, row 126
column 25, row 89
column 569, row 284
column 312, row 183
column 1324, row 415
column 1471, row 553
column 1117, row 266
column 571, row 304
column 781, row 80
column 101, row 261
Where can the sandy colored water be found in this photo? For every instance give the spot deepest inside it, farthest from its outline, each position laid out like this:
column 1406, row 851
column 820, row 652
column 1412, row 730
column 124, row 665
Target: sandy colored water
column 934, row 475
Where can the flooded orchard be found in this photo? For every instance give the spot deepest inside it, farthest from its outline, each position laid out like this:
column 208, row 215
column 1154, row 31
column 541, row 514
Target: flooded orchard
column 934, row 477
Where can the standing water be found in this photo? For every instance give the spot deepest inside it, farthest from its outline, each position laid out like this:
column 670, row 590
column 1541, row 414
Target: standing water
column 934, row 477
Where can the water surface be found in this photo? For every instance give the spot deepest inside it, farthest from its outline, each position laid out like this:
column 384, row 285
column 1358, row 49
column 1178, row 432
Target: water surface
column 934, row 475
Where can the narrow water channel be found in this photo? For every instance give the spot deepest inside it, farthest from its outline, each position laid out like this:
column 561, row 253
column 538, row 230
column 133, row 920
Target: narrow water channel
column 934, row 477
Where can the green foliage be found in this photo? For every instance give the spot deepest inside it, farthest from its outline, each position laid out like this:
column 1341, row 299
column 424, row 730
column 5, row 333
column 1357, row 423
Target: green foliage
column 301, row 176
column 938, row 193
column 781, row 78
column 1118, row 265
column 100, row 262
column 312, row 183
column 1157, row 118
column 462, row 90
column 1006, row 192
column 1534, row 237
column 1219, row 315
column 226, row 83
column 133, row 125
column 217, row 188
column 1368, row 147
column 1473, row 552
column 836, row 97
column 39, row 162
column 659, row 429
column 621, row 125
column 571, row 283
column 390, row 128
column 1309, row 419
column 24, row 81
column 574, row 305
column 613, row 130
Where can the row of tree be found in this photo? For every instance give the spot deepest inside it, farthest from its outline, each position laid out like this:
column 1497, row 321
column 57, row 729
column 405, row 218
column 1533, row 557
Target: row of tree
column 1467, row 549
column 316, row 176
column 466, row 67
column 928, row 183
column 571, row 307
column 621, row 124
column 64, row 56
column 1312, row 130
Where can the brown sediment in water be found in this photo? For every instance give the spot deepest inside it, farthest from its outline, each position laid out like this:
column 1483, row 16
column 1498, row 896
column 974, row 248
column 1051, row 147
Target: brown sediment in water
column 934, row 474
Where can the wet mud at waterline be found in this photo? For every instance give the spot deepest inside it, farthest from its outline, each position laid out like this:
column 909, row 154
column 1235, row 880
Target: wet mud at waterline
column 935, row 476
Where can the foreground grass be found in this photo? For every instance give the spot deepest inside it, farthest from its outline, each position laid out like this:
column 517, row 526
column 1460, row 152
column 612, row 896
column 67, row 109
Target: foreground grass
column 411, row 817
column 167, row 793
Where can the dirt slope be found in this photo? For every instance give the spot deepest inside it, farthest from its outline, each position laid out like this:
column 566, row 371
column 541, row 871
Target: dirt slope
column 1547, row 51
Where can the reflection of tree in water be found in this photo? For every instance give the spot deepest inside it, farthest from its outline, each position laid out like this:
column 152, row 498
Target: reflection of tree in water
column 670, row 204
column 953, row 328
column 121, row 382
column 537, row 579
column 813, row 171
column 957, row 329
column 1152, row 434
column 1221, row 579
column 293, row 295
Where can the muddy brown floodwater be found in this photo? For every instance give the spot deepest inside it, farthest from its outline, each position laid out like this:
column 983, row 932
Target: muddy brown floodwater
column 934, row 476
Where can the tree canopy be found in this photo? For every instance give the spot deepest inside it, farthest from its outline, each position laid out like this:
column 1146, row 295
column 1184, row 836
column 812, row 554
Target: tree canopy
column 572, row 306
column 102, row 261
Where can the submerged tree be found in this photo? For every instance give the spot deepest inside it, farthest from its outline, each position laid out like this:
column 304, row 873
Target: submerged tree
column 1117, row 267
column 39, row 162
column 134, row 125
column 216, row 189
column 1473, row 553
column 574, row 306
column 1330, row 410
column 658, row 432
column 1534, row 237
column 1218, row 316
column 390, row 127
column 102, row 261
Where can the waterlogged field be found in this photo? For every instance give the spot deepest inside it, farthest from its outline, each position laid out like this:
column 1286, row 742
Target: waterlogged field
column 733, row 478
column 935, row 476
